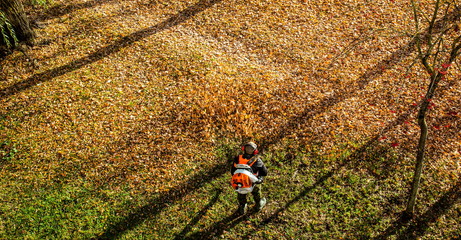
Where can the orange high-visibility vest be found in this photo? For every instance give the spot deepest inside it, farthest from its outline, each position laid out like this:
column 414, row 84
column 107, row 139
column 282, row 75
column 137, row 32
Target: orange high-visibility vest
column 244, row 161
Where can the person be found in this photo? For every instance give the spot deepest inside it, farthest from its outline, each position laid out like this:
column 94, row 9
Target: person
column 250, row 156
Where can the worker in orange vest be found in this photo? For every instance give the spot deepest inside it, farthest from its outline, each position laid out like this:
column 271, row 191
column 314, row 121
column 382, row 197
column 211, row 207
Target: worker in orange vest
column 249, row 161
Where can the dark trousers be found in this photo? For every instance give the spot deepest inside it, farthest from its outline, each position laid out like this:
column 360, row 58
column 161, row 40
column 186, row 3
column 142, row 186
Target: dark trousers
column 242, row 198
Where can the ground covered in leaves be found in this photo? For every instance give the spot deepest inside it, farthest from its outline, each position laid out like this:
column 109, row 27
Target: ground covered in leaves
column 122, row 119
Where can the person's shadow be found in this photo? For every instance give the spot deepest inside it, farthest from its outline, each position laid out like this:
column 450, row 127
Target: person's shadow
column 199, row 215
column 218, row 228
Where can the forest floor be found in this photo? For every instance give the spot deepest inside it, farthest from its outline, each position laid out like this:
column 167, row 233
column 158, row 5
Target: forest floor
column 120, row 122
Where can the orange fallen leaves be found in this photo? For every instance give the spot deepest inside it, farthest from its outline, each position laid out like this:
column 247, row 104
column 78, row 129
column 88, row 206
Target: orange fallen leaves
column 270, row 71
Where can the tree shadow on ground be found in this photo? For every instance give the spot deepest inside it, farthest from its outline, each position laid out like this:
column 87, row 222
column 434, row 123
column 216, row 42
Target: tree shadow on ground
column 104, row 52
column 218, row 228
column 61, row 10
column 417, row 227
column 198, row 216
column 343, row 94
column 383, row 159
column 160, row 203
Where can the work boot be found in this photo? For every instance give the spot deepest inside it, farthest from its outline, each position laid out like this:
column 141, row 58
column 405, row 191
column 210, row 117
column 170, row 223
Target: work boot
column 242, row 209
column 260, row 204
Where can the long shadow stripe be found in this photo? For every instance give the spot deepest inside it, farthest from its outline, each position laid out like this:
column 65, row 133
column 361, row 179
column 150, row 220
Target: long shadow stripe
column 370, row 75
column 104, row 52
column 199, row 215
column 157, row 205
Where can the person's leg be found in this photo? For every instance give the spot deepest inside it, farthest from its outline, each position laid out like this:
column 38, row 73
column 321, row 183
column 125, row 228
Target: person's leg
column 242, row 199
column 257, row 193
column 257, row 196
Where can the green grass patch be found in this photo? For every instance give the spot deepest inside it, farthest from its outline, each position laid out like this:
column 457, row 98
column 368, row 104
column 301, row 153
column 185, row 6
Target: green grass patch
column 59, row 211
column 306, row 199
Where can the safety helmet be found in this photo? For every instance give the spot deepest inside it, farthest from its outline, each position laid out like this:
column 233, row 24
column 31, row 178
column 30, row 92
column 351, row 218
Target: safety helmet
column 250, row 148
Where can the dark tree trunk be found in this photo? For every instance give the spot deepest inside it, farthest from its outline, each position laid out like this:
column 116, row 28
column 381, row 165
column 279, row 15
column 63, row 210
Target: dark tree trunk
column 14, row 12
column 409, row 212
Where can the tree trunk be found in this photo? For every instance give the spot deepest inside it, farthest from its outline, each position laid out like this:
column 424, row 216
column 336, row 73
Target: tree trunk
column 14, row 12
column 419, row 164
column 435, row 79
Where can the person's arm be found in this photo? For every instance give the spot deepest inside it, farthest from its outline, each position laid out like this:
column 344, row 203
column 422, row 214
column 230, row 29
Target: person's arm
column 261, row 171
column 260, row 168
